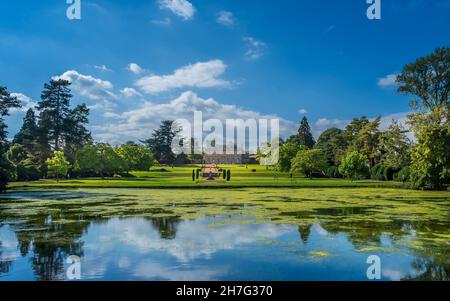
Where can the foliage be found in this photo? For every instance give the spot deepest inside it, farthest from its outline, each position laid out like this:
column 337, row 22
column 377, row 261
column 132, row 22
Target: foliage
column 59, row 126
column 304, row 135
column 367, row 141
column 161, row 142
column 353, row 129
column 58, row 165
column 333, row 145
column 27, row 134
column 428, row 78
column 136, row 157
column 309, row 161
column 287, row 152
column 403, row 175
column 354, row 166
column 100, row 159
column 388, row 173
column 76, row 134
column 333, row 172
column 26, row 167
column 377, row 172
column 7, row 102
column 395, row 146
column 430, row 168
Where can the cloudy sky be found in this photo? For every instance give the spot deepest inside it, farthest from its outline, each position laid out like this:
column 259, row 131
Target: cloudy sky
column 139, row 61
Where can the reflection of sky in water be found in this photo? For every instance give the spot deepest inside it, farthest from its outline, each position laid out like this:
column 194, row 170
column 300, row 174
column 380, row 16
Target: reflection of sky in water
column 205, row 249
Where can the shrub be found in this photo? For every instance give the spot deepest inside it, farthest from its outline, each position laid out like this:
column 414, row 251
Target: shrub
column 388, row 173
column 376, row 172
column 354, row 166
column 333, row 172
column 27, row 171
column 403, row 175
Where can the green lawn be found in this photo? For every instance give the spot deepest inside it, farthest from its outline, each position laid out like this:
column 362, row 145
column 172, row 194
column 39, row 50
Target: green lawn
column 181, row 177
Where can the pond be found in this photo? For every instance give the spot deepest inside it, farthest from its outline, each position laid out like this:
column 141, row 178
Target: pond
column 218, row 234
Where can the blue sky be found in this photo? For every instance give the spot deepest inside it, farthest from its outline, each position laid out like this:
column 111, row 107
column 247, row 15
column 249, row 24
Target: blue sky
column 136, row 62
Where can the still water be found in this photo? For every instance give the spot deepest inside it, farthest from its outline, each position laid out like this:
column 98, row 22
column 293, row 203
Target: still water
column 224, row 235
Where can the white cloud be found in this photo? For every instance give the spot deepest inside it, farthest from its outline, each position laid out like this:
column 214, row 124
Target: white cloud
column 139, row 123
column 225, row 18
column 302, row 111
column 181, row 8
column 88, row 86
column 130, row 92
column 103, row 105
column 194, row 239
column 388, row 81
column 199, row 75
column 111, row 115
column 26, row 102
column 164, row 22
column 102, row 68
column 134, row 68
column 255, row 48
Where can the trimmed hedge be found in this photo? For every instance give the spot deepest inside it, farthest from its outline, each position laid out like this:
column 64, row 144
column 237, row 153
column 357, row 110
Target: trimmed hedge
column 403, row 175
column 333, row 172
column 382, row 172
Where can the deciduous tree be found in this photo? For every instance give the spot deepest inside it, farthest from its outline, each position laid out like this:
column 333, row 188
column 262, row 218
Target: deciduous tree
column 354, row 165
column 58, row 166
column 309, row 161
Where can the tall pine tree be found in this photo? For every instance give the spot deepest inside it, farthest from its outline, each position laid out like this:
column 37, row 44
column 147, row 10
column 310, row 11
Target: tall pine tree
column 304, row 135
column 59, row 126
column 76, row 135
column 28, row 133
column 54, row 110
column 161, row 142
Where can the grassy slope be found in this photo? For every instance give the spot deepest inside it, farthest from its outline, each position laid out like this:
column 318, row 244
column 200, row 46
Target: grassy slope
column 181, row 177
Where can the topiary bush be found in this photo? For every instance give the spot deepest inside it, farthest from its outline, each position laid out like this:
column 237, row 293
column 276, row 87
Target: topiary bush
column 333, row 172
column 403, row 175
column 377, row 172
column 388, row 173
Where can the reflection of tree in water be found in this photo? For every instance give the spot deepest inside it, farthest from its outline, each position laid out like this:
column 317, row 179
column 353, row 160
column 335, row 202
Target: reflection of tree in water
column 433, row 257
column 166, row 226
column 432, row 260
column 52, row 243
column 305, row 232
column 5, row 265
column 434, row 267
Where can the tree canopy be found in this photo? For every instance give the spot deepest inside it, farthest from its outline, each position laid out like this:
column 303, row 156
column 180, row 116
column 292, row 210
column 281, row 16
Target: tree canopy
column 161, row 142
column 309, row 161
column 304, row 135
